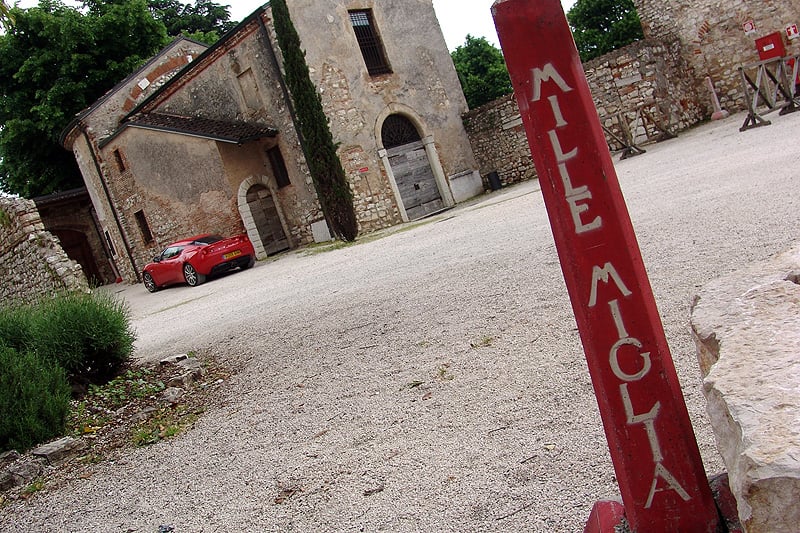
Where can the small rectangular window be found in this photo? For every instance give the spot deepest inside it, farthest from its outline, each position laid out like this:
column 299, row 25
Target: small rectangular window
column 278, row 167
column 120, row 160
column 147, row 235
column 370, row 42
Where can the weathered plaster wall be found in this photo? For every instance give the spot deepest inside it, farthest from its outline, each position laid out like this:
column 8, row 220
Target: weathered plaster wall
column 175, row 180
column 32, row 263
column 644, row 74
column 712, row 39
column 240, row 83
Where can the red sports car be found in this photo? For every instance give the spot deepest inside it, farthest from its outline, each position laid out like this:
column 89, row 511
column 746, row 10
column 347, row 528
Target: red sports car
column 193, row 259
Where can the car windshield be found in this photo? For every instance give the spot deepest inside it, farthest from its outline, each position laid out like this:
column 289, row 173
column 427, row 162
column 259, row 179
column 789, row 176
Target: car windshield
column 209, row 239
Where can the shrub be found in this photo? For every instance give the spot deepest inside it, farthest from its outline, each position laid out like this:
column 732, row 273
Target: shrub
column 34, row 399
column 89, row 335
column 15, row 328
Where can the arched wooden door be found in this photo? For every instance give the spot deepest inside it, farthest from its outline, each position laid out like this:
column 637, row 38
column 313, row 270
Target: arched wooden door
column 266, row 218
column 411, row 168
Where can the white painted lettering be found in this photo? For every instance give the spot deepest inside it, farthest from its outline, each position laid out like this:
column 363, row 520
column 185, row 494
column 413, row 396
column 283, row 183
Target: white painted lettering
column 616, row 314
column 569, row 189
column 556, row 107
column 614, row 359
column 545, row 74
column 576, row 209
column 556, row 144
column 648, row 419
column 666, row 475
column 603, row 274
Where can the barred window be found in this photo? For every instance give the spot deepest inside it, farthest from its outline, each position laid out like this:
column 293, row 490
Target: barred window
column 370, row 42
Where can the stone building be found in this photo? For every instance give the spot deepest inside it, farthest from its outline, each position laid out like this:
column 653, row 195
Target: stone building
column 204, row 140
column 715, row 38
column 655, row 87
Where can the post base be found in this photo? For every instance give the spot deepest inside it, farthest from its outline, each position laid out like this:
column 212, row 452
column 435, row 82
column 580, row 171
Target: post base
column 608, row 516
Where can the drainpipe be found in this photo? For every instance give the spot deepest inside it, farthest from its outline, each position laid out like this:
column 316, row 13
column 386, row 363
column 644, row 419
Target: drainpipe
column 111, row 203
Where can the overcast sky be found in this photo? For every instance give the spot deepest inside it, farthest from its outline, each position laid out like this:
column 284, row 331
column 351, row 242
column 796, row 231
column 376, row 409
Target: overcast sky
column 456, row 17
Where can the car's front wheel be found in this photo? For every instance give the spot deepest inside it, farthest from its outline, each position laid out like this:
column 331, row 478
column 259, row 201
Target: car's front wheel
column 192, row 276
column 149, row 282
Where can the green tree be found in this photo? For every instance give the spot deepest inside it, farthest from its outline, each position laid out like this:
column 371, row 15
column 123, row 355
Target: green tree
column 332, row 187
column 56, row 62
column 481, row 70
column 600, row 26
column 203, row 21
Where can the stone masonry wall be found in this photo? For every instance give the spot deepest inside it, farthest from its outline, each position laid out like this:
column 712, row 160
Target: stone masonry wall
column 645, row 76
column 32, row 262
column 712, row 37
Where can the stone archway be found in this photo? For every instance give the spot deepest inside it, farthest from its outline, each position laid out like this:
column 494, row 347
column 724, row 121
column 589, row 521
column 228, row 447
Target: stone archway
column 262, row 217
column 412, row 163
column 412, row 171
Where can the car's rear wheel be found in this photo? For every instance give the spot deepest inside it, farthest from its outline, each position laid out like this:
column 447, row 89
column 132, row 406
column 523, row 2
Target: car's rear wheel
column 149, row 282
column 249, row 264
column 192, row 277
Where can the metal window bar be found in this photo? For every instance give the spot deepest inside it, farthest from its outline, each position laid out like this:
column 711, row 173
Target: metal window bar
column 370, row 43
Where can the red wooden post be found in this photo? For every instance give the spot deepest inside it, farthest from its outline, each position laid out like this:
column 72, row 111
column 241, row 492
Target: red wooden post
column 661, row 476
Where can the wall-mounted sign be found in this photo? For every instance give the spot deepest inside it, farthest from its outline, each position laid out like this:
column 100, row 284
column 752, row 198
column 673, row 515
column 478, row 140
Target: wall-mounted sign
column 791, row 31
column 749, row 27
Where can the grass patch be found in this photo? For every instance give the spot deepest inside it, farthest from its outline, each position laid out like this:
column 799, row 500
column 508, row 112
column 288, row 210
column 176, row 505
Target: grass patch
column 322, row 247
column 443, row 373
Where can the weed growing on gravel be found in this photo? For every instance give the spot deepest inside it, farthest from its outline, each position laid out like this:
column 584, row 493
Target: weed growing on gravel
column 97, row 406
column 485, row 342
column 168, row 423
column 33, row 488
column 442, row 373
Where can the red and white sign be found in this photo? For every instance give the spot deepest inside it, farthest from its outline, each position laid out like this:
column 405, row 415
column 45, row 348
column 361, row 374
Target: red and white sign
column 749, row 27
column 791, row 31
column 661, row 476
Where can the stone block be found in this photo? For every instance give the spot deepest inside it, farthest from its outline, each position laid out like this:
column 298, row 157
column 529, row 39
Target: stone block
column 747, row 330
column 466, row 185
column 60, row 450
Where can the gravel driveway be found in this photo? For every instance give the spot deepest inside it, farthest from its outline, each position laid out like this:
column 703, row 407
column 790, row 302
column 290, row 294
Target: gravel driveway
column 432, row 379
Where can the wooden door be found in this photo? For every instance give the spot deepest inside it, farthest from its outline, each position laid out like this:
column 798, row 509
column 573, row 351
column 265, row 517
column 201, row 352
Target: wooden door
column 415, row 181
column 268, row 222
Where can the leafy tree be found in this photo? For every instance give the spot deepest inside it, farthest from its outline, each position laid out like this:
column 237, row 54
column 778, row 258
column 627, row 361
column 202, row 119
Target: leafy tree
column 600, row 26
column 481, row 70
column 204, row 21
column 56, row 62
column 333, row 191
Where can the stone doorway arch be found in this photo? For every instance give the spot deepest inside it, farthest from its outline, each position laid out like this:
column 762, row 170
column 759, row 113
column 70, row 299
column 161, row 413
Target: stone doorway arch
column 262, row 217
column 412, row 165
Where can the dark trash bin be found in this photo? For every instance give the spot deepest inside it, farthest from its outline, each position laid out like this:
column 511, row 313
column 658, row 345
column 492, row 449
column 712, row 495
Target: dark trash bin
column 494, row 181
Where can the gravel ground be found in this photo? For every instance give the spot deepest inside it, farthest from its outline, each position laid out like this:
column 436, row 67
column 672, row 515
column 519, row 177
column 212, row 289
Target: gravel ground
column 433, row 379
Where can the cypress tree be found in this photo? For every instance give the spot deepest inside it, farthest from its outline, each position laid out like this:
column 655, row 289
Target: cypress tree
column 332, row 187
